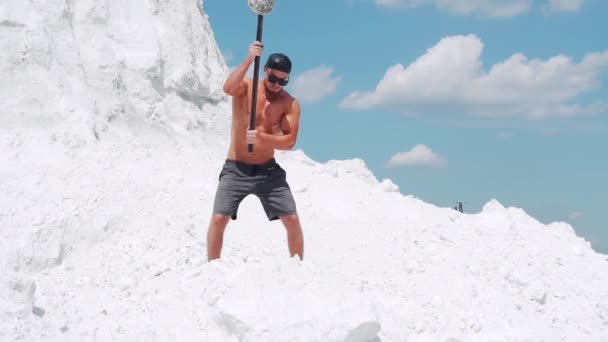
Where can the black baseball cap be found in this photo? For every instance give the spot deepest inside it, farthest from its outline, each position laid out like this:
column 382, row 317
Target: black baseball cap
column 279, row 61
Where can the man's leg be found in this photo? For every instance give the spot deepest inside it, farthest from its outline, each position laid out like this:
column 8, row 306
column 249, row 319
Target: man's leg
column 295, row 238
column 215, row 235
column 233, row 186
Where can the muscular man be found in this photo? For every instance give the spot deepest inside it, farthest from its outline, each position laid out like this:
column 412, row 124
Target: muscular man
column 257, row 172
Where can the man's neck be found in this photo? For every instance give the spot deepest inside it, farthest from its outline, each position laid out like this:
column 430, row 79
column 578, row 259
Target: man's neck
column 270, row 96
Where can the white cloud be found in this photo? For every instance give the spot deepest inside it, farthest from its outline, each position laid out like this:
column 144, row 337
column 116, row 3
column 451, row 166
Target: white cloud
column 491, row 8
column 505, row 135
column 575, row 215
column 549, row 131
column 564, row 5
column 418, row 155
column 228, row 56
column 450, row 78
column 314, row 84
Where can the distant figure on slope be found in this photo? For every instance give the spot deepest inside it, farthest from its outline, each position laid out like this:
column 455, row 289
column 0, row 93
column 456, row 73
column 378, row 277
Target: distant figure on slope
column 257, row 172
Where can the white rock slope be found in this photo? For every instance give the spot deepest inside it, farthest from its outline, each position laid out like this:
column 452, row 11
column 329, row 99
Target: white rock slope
column 113, row 128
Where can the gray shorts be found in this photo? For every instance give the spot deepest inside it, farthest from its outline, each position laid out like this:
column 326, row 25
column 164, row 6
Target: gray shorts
column 267, row 181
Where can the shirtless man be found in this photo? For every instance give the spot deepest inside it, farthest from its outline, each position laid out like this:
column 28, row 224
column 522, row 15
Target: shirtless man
column 257, row 172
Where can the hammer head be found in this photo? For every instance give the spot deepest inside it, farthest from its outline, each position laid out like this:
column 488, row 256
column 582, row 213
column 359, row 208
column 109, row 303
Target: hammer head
column 261, row 7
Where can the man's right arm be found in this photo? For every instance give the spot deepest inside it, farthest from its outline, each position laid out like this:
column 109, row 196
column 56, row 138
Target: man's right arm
column 235, row 84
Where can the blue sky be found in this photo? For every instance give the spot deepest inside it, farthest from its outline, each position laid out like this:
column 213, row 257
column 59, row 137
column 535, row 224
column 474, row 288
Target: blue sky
column 469, row 101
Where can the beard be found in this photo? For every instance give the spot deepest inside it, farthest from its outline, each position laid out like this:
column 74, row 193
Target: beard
column 272, row 94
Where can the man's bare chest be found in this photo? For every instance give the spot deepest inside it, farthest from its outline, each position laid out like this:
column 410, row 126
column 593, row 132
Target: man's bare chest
column 268, row 113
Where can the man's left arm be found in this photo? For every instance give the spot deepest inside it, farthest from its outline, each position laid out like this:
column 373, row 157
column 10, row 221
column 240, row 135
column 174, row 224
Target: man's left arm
column 289, row 125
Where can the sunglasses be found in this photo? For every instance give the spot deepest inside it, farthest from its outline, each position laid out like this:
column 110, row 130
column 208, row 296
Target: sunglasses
column 281, row 81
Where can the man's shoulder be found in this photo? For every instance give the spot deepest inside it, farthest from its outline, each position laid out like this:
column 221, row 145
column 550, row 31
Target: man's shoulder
column 288, row 98
column 291, row 102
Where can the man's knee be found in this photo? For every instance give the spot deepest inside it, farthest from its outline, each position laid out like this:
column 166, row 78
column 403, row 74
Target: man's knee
column 219, row 220
column 291, row 221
